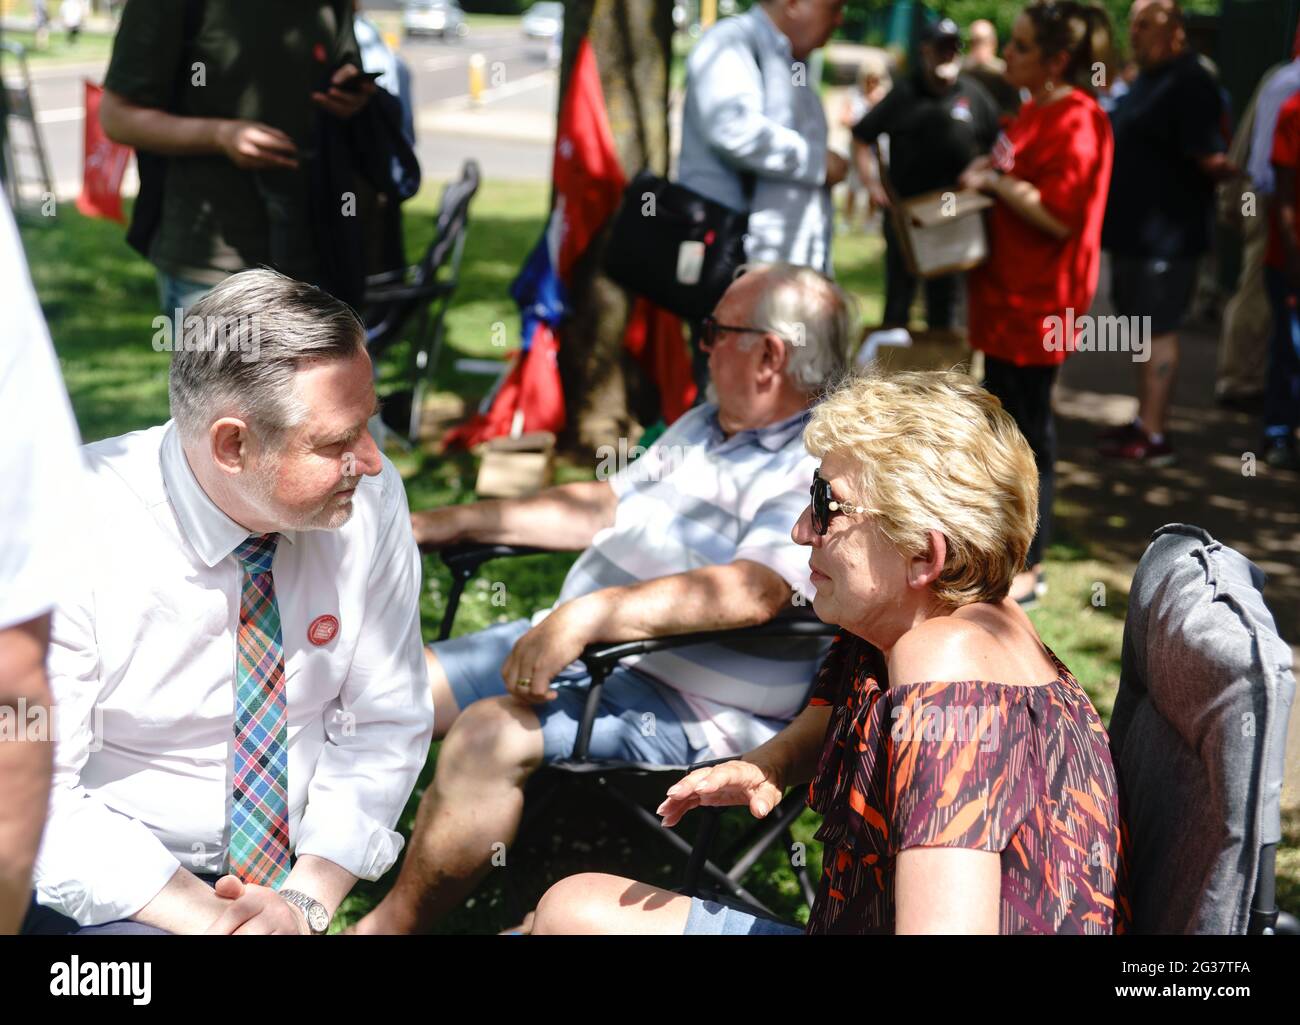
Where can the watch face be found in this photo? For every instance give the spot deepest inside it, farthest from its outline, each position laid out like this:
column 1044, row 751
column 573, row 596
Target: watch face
column 317, row 918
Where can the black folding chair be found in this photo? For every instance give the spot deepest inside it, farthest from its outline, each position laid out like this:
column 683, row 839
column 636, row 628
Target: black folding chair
column 420, row 295
column 704, row 875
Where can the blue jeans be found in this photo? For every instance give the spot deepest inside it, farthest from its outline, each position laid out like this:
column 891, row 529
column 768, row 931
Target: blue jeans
column 176, row 292
column 1282, row 390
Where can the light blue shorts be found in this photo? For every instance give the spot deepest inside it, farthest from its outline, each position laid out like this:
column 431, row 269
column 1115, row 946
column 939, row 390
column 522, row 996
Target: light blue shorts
column 709, row 918
column 639, row 720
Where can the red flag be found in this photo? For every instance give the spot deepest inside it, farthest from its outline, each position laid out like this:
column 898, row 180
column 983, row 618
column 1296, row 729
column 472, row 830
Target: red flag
column 654, row 338
column 104, row 164
column 586, row 172
column 531, row 389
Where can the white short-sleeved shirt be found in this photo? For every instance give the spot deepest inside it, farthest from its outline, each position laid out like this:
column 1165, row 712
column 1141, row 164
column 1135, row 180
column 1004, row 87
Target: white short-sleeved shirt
column 696, row 499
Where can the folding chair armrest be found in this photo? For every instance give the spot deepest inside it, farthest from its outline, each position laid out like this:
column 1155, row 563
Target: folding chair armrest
column 604, row 655
column 388, row 277
column 397, row 293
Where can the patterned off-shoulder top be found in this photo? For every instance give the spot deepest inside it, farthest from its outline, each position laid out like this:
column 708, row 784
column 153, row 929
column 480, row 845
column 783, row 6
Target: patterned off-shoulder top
column 1023, row 771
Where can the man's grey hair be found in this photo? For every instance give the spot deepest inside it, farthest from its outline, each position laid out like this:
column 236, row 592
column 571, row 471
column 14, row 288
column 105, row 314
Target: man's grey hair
column 812, row 314
column 258, row 329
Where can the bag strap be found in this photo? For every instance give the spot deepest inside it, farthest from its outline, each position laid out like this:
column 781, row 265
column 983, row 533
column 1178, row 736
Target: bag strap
column 749, row 179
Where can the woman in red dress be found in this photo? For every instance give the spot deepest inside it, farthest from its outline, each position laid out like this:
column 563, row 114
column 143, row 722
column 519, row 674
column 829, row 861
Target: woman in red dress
column 1049, row 174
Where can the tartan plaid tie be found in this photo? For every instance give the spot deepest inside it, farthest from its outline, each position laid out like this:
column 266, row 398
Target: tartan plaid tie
column 259, row 816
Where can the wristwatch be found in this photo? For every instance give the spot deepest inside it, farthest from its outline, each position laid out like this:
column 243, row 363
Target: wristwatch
column 318, row 919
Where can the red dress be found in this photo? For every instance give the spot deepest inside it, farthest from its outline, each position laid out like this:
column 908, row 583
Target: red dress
column 1065, row 150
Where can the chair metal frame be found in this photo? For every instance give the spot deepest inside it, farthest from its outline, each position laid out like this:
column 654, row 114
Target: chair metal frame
column 703, row 876
column 422, row 291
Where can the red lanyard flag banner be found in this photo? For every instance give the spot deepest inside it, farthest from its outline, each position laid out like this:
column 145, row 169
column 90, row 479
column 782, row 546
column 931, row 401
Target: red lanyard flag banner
column 103, row 165
column 588, row 185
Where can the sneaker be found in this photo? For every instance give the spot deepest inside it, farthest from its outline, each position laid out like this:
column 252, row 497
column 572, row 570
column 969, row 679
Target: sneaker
column 1281, row 454
column 1141, row 449
column 1121, row 435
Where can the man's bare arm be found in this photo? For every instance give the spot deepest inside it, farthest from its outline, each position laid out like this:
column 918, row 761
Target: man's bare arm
column 250, row 145
column 26, row 764
column 186, row 905
column 564, row 518
column 737, row 594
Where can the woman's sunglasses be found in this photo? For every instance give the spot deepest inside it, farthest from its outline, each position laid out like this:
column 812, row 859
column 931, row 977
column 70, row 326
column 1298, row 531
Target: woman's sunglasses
column 825, row 506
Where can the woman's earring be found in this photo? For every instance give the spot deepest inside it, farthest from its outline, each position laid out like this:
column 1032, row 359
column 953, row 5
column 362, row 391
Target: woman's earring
column 1050, row 85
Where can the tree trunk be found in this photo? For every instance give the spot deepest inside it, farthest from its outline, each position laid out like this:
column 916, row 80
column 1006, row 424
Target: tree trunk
column 605, row 393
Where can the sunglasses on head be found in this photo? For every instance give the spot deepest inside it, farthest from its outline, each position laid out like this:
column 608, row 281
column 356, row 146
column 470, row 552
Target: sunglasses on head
column 825, row 506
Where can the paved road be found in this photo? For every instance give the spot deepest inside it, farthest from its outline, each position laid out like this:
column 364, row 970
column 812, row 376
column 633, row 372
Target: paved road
column 509, row 134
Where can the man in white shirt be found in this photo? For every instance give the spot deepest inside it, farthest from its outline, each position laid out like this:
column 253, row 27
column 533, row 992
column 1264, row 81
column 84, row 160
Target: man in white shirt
column 41, row 467
column 693, row 535
column 240, row 684
column 754, row 133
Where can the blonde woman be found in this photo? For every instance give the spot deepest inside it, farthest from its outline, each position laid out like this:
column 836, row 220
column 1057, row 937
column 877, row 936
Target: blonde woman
column 964, row 776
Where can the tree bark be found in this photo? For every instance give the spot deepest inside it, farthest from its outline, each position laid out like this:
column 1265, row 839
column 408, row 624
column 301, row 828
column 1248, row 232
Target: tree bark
column 605, row 393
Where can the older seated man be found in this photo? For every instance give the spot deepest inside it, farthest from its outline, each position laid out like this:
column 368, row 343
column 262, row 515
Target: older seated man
column 694, row 535
column 238, row 671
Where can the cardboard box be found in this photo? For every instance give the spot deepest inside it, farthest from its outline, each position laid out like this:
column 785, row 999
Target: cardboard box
column 515, row 467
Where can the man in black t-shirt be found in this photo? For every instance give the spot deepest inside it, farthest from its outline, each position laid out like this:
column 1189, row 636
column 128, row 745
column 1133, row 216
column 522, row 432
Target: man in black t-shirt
column 938, row 121
column 1169, row 152
column 228, row 91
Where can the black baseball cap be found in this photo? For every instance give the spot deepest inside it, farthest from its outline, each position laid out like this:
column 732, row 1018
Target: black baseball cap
column 944, row 29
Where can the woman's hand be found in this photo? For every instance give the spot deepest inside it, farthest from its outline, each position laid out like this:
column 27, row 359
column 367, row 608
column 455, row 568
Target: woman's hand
column 979, row 175
column 730, row 783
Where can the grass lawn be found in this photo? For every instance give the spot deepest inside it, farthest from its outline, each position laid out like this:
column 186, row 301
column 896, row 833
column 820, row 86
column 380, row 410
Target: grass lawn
column 100, row 301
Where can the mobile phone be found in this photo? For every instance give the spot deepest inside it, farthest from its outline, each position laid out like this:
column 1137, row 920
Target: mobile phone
column 353, row 84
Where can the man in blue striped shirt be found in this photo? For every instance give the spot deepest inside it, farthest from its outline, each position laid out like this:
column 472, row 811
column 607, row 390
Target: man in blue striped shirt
column 694, row 535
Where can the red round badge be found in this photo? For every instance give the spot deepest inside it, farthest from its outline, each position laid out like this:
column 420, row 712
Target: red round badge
column 322, row 630
column 318, row 51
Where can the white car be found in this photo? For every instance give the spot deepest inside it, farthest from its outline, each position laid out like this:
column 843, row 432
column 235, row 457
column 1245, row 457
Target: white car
column 442, row 18
column 544, row 20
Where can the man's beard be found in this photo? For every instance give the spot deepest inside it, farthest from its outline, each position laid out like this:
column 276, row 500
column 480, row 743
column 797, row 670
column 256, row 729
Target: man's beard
column 261, row 491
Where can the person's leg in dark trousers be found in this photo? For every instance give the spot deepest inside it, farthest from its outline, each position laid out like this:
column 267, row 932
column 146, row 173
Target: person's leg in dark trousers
column 900, row 286
column 1282, row 387
column 1026, row 393
column 940, row 301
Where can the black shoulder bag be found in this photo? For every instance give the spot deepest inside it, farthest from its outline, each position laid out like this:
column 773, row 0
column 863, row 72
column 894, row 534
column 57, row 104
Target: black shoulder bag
column 676, row 247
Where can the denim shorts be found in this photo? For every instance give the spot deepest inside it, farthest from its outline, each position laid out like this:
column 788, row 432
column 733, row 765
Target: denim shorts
column 639, row 720
column 709, row 918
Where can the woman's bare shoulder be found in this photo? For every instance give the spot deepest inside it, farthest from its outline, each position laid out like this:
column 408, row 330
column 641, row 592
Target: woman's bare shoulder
column 974, row 643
